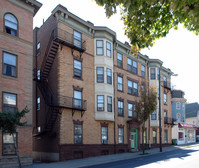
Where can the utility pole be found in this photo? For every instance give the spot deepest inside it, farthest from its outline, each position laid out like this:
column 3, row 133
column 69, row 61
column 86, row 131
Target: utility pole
column 160, row 125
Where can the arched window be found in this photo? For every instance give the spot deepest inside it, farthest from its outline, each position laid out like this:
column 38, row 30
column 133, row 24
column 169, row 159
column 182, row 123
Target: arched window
column 11, row 24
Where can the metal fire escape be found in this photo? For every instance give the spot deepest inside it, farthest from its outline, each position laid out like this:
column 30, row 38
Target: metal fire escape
column 55, row 102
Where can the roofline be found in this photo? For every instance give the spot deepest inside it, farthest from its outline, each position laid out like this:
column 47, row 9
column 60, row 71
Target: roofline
column 37, row 5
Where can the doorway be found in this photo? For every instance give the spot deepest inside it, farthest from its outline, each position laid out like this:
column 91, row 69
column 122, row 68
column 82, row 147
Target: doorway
column 133, row 138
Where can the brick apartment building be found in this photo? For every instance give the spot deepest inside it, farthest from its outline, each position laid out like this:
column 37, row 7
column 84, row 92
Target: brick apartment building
column 86, row 84
column 16, row 64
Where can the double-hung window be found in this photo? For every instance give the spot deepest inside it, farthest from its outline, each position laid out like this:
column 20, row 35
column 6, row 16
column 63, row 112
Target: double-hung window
column 9, row 103
column 38, row 103
column 38, row 48
column 9, row 64
column 109, row 75
column 120, row 83
column 38, row 74
column 119, row 60
column 135, row 88
column 100, row 103
column 130, row 109
column 165, row 81
column 165, row 98
column 99, row 47
column 77, row 69
column 129, row 64
column 11, row 24
column 78, row 133
column 152, row 71
column 120, row 108
column 109, row 103
column 135, row 67
column 77, row 100
column 130, row 87
column 120, row 135
column 8, row 144
column 104, row 135
column 143, row 72
column 108, row 49
column 77, row 39
column 154, row 115
column 165, row 136
column 100, row 74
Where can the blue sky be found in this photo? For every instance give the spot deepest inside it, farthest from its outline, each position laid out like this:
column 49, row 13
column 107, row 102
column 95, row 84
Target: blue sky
column 179, row 50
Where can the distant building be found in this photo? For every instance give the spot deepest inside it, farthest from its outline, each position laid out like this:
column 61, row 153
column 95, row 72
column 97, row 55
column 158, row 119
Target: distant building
column 16, row 65
column 192, row 113
column 182, row 132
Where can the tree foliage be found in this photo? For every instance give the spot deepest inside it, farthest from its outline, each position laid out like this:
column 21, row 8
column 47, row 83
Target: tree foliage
column 147, row 104
column 147, row 20
column 10, row 121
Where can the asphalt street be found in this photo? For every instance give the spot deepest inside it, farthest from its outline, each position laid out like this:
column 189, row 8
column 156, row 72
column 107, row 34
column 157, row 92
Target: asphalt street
column 183, row 158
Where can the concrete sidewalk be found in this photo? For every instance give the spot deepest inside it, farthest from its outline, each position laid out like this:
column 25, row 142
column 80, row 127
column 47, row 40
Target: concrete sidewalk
column 105, row 159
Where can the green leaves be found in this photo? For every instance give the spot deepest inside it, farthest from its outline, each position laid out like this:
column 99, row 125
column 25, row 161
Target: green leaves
column 10, row 121
column 148, row 20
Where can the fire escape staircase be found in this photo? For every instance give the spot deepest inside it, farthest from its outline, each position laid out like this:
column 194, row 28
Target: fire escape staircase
column 55, row 102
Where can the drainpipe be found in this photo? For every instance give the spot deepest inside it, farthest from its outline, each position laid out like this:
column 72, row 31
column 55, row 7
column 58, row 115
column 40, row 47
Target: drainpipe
column 114, row 104
column 160, row 126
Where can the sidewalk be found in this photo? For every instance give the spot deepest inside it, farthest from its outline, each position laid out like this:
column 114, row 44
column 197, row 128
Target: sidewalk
column 105, row 159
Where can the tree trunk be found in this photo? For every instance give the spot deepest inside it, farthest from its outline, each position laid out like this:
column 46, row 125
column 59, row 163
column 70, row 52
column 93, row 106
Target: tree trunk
column 16, row 150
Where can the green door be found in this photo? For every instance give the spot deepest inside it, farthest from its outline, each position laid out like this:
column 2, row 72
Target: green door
column 133, row 138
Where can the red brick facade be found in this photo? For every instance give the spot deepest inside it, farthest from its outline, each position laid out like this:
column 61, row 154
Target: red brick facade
column 20, row 85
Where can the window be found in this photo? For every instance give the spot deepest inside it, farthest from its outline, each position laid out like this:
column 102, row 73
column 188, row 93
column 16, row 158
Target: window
column 154, row 115
column 100, row 74
column 9, row 64
column 77, row 100
column 9, row 102
column 120, row 83
column 109, row 103
column 77, row 69
column 132, row 88
column 178, row 117
column 165, row 136
column 135, row 88
column 165, row 98
column 183, row 105
column 165, row 117
column 99, row 47
column 38, row 103
column 109, row 75
column 120, row 108
column 100, row 103
column 77, row 134
column 8, row 144
column 104, row 134
column 108, row 49
column 178, row 105
column 143, row 71
column 165, row 81
column 131, row 110
column 38, row 48
column 129, row 64
column 11, row 24
column 154, row 136
column 77, row 39
column 119, row 60
column 180, row 136
column 120, row 135
column 135, row 66
column 38, row 74
column 158, row 74
column 152, row 73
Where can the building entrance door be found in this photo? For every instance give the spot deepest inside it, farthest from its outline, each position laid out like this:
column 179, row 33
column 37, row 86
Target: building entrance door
column 133, row 138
